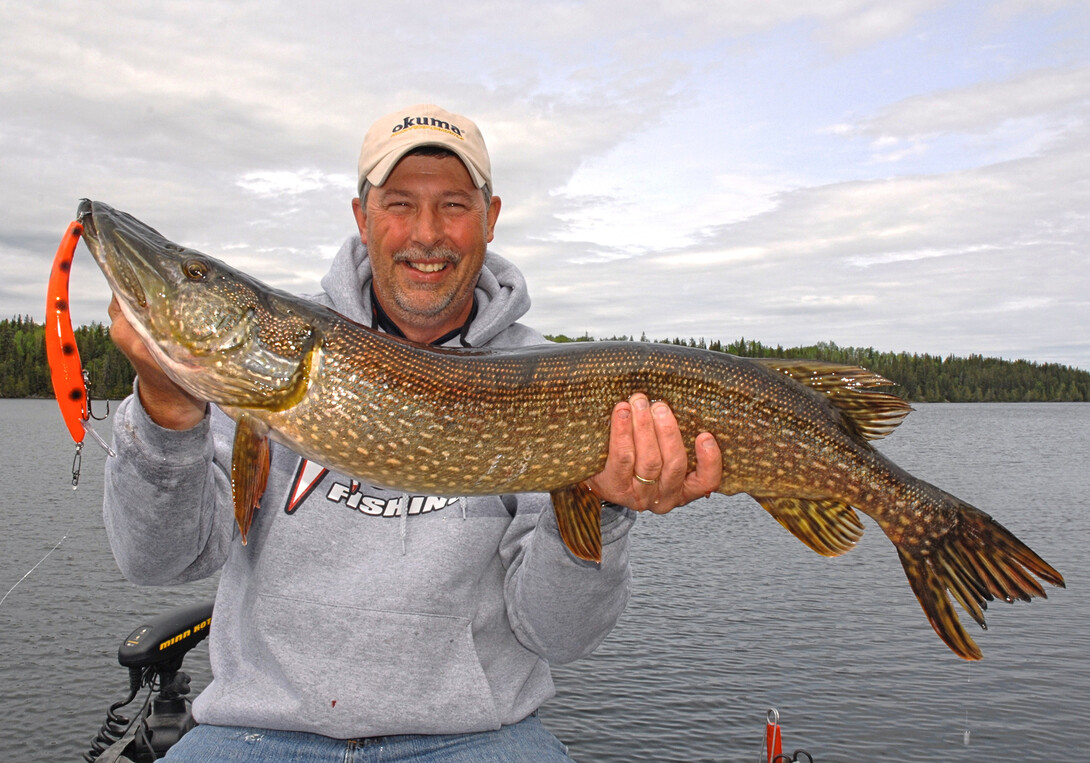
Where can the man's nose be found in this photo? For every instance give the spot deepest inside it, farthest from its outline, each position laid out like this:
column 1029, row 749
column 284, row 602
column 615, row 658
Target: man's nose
column 428, row 227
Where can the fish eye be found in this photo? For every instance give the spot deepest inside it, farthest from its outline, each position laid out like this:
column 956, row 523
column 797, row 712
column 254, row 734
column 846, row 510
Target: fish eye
column 195, row 270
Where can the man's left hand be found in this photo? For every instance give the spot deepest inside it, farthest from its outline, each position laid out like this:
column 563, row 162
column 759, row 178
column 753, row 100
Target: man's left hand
column 647, row 464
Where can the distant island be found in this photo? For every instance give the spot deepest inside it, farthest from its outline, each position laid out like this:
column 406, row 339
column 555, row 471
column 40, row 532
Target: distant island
column 923, row 378
column 24, row 371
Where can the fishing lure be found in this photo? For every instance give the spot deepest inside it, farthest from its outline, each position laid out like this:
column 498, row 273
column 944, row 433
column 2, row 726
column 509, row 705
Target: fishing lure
column 65, row 369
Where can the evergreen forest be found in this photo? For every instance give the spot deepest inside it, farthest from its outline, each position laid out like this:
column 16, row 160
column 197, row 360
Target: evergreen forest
column 24, row 370
column 925, row 378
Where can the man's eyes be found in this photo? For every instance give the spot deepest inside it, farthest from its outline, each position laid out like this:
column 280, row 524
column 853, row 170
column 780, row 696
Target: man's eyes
column 453, row 206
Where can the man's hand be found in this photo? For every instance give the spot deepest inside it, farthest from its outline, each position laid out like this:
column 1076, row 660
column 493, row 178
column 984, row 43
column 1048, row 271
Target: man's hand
column 647, row 462
column 167, row 404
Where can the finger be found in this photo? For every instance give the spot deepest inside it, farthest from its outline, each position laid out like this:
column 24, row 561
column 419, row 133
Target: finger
column 621, row 459
column 613, row 482
column 675, row 460
column 125, row 337
column 709, row 468
column 648, row 457
column 119, row 326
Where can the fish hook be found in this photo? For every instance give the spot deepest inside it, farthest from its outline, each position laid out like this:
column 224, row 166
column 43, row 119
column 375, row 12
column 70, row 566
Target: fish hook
column 87, row 388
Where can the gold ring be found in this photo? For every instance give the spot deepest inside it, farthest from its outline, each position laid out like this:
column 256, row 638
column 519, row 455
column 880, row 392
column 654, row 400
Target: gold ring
column 644, row 480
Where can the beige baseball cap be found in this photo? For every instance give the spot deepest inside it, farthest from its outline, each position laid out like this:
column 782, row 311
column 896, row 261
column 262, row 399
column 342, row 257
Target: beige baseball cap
column 396, row 134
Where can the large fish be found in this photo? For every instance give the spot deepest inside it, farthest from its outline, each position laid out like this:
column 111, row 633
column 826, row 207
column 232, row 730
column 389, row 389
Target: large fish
column 794, row 435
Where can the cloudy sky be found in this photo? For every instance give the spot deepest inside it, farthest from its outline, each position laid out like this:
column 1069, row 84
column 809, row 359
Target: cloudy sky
column 909, row 175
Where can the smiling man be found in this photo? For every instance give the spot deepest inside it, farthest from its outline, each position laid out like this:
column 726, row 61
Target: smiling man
column 426, row 222
column 361, row 622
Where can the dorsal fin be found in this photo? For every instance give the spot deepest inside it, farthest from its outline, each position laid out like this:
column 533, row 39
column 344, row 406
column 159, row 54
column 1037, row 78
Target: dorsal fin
column 872, row 415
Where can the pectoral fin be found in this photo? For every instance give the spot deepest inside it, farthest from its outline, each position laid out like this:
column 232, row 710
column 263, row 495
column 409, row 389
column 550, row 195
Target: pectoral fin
column 828, row 527
column 579, row 516
column 249, row 470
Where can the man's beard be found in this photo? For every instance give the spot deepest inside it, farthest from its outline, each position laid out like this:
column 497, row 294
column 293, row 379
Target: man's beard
column 417, row 253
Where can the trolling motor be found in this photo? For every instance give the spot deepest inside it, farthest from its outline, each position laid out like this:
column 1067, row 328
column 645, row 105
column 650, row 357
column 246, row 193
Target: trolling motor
column 153, row 653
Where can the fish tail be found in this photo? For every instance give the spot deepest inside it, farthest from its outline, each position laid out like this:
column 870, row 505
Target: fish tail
column 976, row 561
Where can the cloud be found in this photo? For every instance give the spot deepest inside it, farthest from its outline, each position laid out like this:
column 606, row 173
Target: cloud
column 959, row 262
column 664, row 166
column 278, row 183
column 1058, row 94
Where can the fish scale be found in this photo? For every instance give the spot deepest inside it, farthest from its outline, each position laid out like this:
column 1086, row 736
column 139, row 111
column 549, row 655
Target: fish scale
column 795, row 434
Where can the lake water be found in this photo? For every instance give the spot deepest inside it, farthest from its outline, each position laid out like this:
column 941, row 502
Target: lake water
column 730, row 615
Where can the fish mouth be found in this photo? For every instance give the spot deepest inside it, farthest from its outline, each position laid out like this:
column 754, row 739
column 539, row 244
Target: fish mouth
column 115, row 243
column 142, row 268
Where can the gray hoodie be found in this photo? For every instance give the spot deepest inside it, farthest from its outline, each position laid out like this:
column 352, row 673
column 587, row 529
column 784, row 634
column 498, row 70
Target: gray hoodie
column 355, row 611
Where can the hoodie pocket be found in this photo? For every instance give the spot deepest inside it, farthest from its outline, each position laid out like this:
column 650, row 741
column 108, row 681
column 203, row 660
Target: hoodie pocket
column 349, row 671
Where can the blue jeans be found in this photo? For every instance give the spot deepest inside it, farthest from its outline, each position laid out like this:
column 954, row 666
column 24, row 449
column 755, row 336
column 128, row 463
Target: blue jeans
column 526, row 740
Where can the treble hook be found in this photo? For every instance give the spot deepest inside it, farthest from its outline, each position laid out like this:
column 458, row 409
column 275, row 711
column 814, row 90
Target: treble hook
column 87, row 389
column 87, row 427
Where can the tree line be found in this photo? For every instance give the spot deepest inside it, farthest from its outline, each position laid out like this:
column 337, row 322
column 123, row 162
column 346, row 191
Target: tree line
column 24, row 370
column 924, row 378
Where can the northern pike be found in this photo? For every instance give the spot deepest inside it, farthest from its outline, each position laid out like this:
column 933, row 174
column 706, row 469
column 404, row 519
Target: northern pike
column 795, row 435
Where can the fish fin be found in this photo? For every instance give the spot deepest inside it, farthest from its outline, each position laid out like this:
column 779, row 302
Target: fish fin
column 825, row 373
column 871, row 415
column 976, row 561
column 829, row 527
column 579, row 517
column 930, row 591
column 249, row 470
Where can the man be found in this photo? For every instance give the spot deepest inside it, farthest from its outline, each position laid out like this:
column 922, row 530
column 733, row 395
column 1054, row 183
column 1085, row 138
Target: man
column 358, row 617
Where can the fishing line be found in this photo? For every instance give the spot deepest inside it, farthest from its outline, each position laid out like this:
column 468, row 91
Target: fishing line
column 968, row 680
column 71, row 522
column 24, row 577
column 67, row 531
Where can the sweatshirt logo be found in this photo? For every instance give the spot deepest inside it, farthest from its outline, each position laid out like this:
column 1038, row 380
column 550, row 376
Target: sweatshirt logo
column 307, row 477
column 310, row 475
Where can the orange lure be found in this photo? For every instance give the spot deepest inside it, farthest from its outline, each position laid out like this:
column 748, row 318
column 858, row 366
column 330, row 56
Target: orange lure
column 65, row 368
column 60, row 341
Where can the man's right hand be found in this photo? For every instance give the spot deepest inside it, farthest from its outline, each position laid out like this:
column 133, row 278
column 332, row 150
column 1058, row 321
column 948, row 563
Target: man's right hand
column 167, row 404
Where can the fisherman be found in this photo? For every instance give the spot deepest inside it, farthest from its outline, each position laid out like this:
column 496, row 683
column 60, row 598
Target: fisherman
column 358, row 617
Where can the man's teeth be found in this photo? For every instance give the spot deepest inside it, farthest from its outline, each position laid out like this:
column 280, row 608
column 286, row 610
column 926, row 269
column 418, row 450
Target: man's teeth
column 428, row 267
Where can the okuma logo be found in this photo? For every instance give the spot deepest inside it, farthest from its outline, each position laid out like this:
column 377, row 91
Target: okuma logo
column 433, row 123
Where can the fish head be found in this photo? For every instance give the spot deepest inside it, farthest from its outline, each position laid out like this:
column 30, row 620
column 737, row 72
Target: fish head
column 220, row 334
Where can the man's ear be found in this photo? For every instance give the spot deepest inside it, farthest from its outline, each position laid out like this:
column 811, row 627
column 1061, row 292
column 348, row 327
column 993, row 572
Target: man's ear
column 361, row 218
column 492, row 215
